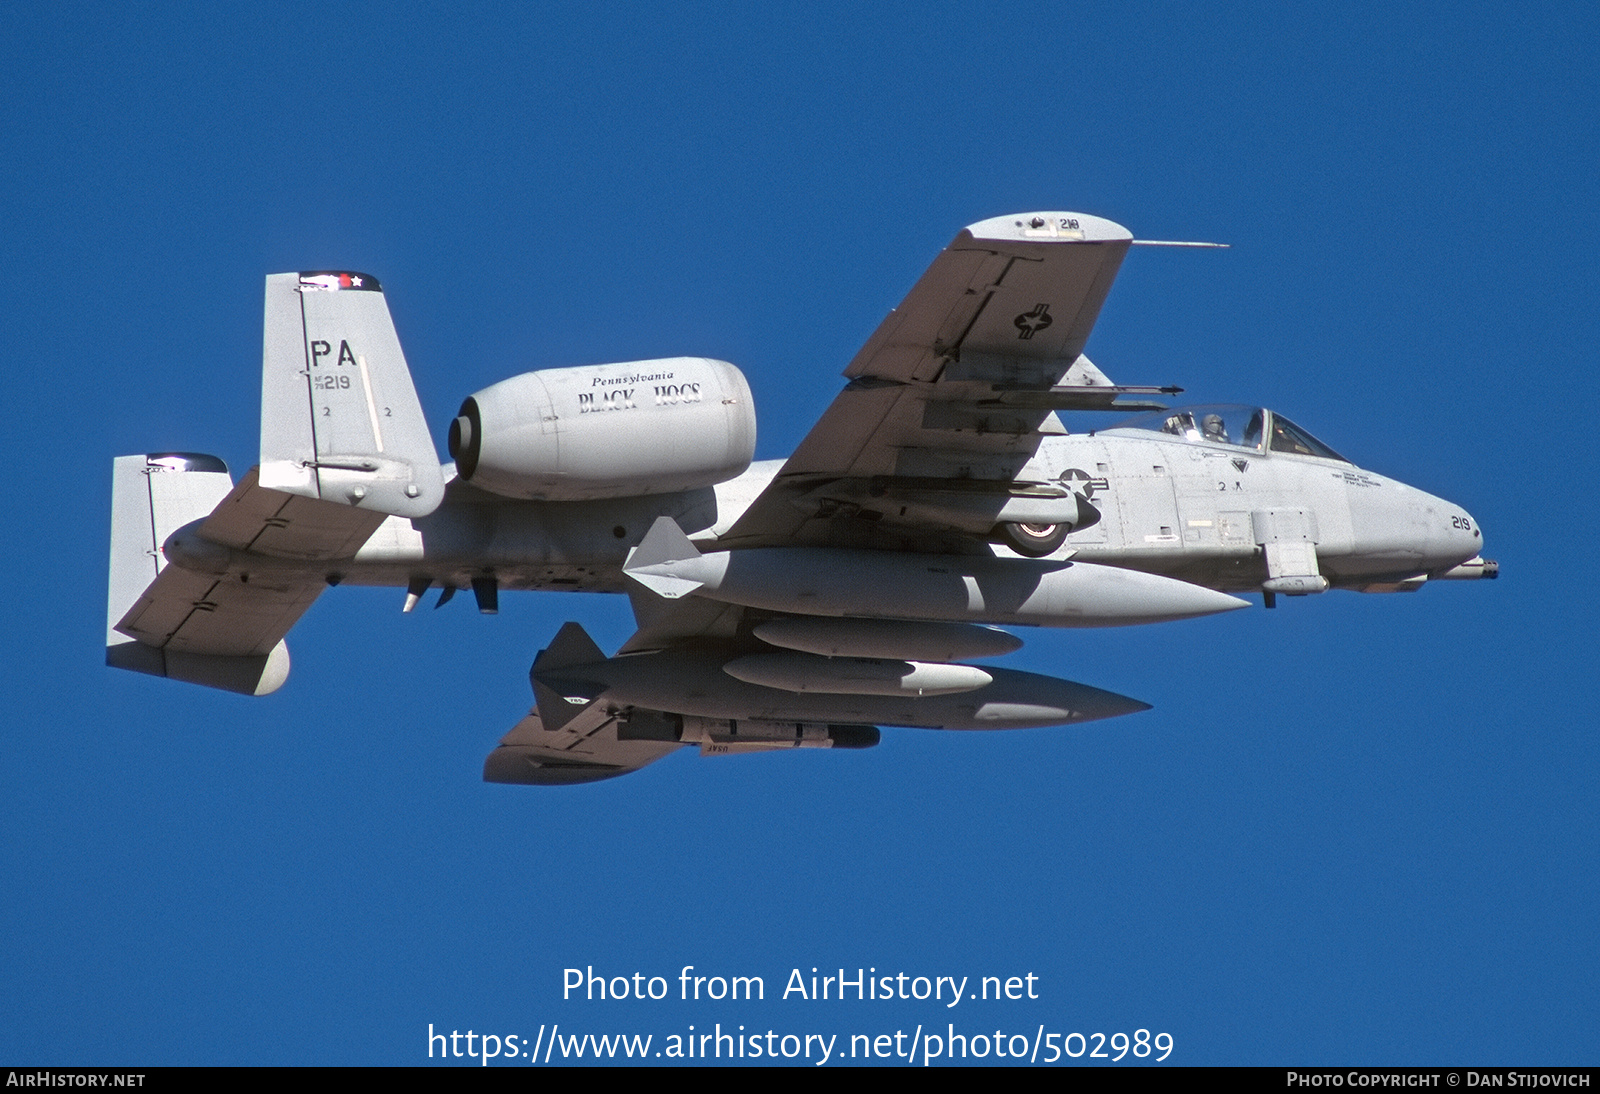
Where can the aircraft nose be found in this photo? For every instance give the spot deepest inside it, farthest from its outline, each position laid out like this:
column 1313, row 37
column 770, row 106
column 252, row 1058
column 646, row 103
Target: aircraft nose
column 1455, row 538
column 1465, row 540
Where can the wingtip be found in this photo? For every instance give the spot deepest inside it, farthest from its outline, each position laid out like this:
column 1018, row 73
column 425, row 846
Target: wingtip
column 1050, row 227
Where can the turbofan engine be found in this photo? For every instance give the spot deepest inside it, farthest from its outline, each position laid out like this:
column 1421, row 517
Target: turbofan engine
column 607, row 431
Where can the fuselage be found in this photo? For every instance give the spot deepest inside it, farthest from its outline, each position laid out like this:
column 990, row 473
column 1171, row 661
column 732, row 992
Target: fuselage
column 1172, row 500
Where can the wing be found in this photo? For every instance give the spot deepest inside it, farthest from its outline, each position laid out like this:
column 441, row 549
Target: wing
column 950, row 397
column 578, row 752
column 575, row 739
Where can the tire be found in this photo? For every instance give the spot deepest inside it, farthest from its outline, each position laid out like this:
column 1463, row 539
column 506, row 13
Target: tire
column 1032, row 540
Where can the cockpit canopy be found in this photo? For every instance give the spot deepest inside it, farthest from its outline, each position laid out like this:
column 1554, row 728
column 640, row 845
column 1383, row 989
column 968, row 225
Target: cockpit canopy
column 1235, row 426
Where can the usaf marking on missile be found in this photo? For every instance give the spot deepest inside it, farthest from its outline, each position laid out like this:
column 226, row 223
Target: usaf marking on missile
column 788, row 604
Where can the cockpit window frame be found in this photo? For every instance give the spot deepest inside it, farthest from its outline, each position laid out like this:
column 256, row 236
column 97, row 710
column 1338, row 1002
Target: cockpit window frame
column 1192, row 428
column 1191, row 431
column 1305, row 437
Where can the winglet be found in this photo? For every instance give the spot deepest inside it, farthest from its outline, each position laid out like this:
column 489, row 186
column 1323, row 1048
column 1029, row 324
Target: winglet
column 648, row 563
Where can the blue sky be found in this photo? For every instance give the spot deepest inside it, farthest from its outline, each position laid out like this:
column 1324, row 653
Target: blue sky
column 1354, row 830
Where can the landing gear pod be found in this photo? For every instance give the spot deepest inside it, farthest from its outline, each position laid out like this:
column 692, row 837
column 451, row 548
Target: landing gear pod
column 1032, row 540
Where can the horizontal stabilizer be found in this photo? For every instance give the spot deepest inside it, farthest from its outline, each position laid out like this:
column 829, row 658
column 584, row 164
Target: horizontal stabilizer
column 250, row 675
column 340, row 419
column 187, row 612
column 166, row 621
column 273, row 522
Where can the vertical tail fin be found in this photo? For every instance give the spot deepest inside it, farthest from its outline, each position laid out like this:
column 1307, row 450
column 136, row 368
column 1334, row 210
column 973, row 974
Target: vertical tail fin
column 152, row 497
column 340, row 419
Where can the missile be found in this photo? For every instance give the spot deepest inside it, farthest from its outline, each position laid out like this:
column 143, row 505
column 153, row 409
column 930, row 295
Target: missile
column 820, row 581
column 577, row 687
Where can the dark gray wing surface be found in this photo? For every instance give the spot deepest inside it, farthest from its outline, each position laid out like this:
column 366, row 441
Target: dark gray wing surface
column 581, row 751
column 938, row 400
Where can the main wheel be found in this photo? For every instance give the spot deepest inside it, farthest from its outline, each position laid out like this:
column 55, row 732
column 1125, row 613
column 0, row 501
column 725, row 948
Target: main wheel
column 1033, row 540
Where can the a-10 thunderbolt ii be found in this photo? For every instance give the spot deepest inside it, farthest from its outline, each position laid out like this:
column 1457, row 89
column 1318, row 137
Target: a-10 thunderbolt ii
column 796, row 603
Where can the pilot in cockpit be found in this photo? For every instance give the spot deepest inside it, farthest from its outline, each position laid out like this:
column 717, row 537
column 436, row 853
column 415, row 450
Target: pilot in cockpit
column 1182, row 425
column 1211, row 425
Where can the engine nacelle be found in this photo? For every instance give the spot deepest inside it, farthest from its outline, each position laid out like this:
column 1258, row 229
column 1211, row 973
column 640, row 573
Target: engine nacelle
column 607, row 431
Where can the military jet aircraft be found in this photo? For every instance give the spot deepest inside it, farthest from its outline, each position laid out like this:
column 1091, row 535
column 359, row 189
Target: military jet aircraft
column 784, row 604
